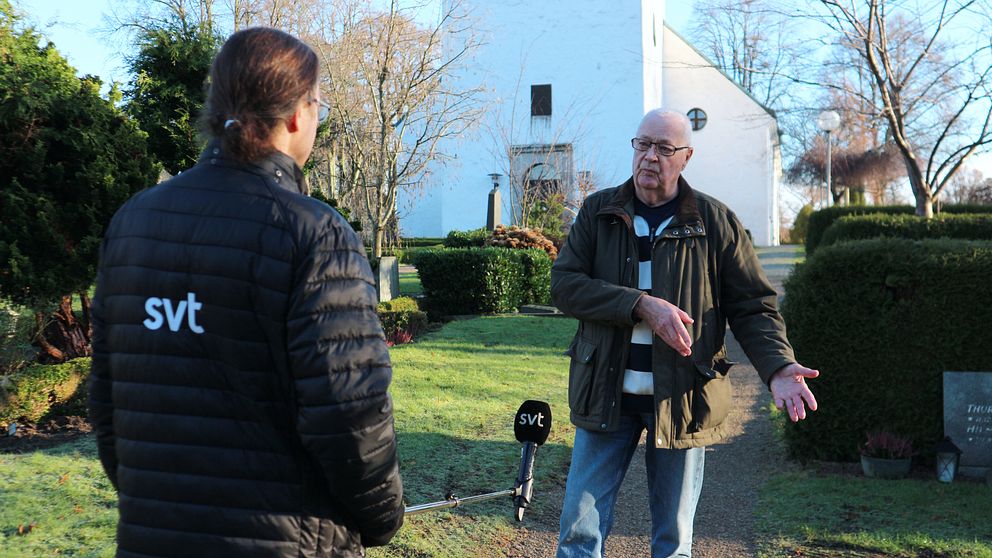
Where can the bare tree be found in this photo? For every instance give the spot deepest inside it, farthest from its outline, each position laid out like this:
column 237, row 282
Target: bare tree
column 753, row 43
column 969, row 186
column 130, row 17
column 393, row 103
column 931, row 74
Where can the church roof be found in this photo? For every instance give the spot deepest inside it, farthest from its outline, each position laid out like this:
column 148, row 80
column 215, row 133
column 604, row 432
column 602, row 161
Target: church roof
column 770, row 111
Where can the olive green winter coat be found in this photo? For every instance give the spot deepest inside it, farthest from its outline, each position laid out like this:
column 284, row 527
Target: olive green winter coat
column 703, row 262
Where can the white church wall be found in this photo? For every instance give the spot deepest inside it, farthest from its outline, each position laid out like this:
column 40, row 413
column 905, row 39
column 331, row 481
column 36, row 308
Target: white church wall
column 735, row 153
column 601, row 86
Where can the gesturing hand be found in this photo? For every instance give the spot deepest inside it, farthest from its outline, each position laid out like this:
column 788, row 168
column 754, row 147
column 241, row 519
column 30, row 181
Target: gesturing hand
column 790, row 392
column 667, row 321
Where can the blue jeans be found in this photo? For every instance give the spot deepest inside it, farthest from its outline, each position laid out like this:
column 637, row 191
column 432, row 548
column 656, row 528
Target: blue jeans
column 599, row 463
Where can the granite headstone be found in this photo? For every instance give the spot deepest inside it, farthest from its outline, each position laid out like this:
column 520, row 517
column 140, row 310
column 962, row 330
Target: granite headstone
column 968, row 419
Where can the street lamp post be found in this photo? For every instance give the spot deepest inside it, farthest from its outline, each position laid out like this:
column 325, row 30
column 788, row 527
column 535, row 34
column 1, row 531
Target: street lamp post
column 828, row 121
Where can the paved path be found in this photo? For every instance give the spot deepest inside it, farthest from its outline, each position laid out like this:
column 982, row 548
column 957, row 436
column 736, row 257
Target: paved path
column 735, row 470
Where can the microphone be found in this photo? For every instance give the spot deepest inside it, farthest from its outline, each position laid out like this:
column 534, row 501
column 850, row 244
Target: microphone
column 531, row 426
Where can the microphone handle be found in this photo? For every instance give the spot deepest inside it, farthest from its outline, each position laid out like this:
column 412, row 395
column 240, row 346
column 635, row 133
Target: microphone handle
column 525, row 479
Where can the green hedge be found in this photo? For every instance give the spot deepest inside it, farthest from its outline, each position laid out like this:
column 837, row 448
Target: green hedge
column 483, row 280
column 861, row 227
column 823, row 218
column 537, row 276
column 30, row 393
column 421, row 242
column 474, row 238
column 882, row 320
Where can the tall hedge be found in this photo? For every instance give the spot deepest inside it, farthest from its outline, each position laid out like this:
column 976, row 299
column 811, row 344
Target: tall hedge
column 861, row 227
column 823, row 218
column 882, row 320
column 483, row 280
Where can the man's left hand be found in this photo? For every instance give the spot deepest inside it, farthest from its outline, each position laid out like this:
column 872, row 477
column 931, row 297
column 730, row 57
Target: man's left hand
column 790, row 392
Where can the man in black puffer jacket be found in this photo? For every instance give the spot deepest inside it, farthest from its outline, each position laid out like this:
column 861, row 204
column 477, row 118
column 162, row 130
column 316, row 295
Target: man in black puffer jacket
column 239, row 381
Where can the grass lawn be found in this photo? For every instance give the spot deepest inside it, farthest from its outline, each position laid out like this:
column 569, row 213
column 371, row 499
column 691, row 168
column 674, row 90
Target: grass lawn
column 455, row 394
column 410, row 283
column 60, row 500
column 803, row 514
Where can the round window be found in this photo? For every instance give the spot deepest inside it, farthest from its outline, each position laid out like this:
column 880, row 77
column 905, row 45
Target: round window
column 698, row 118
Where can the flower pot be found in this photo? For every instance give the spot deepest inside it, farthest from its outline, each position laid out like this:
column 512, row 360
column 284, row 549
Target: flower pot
column 879, row 468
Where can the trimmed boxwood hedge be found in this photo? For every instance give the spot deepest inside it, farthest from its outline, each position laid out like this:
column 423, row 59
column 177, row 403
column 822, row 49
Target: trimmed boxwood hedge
column 821, row 219
column 30, row 393
column 861, row 227
column 401, row 314
column 483, row 280
column 882, row 320
column 474, row 238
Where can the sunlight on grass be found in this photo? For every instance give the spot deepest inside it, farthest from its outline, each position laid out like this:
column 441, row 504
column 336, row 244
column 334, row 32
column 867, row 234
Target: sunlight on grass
column 455, row 394
column 65, row 495
column 805, row 515
column 410, row 283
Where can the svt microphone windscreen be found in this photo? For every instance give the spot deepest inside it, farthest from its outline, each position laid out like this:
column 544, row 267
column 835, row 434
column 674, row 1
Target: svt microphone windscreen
column 533, row 422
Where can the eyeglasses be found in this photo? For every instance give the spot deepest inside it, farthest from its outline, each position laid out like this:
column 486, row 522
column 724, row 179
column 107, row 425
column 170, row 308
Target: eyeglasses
column 664, row 149
column 324, row 109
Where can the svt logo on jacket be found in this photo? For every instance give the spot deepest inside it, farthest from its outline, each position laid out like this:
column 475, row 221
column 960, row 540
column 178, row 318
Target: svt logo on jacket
column 173, row 313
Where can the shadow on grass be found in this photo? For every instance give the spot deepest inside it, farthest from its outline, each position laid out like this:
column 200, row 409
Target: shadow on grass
column 435, row 465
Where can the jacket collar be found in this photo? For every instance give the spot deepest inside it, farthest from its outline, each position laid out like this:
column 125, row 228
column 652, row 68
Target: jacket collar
column 687, row 221
column 277, row 165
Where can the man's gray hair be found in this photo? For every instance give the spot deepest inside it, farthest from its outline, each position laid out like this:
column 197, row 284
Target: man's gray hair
column 682, row 119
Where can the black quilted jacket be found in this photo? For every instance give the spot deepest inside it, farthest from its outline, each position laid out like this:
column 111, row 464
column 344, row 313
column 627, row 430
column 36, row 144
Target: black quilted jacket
column 239, row 373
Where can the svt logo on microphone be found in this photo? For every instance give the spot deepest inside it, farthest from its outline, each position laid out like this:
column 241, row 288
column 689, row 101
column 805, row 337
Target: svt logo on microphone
column 531, row 420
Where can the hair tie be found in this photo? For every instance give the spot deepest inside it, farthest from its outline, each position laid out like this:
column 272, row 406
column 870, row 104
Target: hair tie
column 231, row 122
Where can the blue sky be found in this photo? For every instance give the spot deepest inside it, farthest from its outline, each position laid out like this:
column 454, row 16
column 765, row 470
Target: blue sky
column 75, row 28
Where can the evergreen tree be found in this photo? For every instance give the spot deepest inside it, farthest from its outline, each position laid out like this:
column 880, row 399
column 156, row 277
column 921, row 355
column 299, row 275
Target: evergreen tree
column 168, row 90
column 70, row 159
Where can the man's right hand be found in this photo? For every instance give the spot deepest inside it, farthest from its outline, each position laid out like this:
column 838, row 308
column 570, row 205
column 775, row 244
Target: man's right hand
column 667, row 321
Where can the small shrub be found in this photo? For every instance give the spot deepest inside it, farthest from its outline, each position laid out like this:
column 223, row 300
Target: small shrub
column 399, row 304
column 521, row 239
column 29, row 394
column 886, row 445
column 401, row 320
column 801, row 225
column 475, row 238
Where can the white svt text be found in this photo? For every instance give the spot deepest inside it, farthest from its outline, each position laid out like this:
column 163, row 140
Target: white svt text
column 173, row 313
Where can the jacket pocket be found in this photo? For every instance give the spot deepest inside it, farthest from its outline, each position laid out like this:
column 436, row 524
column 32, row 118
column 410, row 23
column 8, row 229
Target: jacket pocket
column 580, row 376
column 712, row 395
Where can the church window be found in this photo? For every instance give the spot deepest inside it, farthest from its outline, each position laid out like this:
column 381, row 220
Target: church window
column 698, row 119
column 540, row 100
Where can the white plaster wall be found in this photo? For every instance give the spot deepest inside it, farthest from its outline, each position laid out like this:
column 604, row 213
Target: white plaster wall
column 736, row 153
column 591, row 53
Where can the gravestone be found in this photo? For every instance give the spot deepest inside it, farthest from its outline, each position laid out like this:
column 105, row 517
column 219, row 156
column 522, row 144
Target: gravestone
column 968, row 419
column 388, row 278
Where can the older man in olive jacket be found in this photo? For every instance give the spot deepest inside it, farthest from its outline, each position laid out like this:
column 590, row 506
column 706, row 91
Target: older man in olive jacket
column 654, row 271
